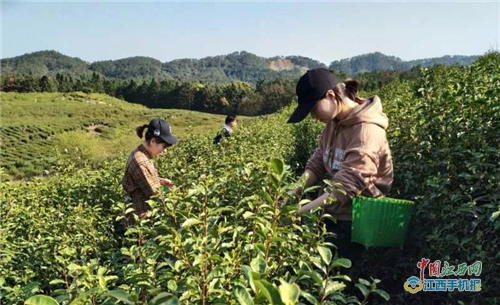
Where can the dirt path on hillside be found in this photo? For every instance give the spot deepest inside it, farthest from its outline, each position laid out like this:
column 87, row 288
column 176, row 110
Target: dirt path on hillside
column 92, row 130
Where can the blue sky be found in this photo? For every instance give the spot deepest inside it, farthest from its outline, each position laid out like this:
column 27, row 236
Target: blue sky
column 325, row 31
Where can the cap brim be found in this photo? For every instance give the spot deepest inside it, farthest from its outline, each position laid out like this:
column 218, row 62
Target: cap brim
column 301, row 112
column 170, row 139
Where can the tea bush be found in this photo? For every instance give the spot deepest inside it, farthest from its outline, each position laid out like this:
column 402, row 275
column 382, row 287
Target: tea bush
column 444, row 136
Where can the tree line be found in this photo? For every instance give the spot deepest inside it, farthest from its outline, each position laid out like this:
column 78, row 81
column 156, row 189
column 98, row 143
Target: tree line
column 263, row 97
column 237, row 97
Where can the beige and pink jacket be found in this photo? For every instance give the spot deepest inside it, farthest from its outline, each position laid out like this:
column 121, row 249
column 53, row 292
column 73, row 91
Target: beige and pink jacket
column 355, row 153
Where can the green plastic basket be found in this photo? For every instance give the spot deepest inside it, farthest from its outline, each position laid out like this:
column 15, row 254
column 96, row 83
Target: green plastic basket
column 380, row 222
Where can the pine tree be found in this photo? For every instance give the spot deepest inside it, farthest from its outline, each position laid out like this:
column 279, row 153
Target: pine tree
column 47, row 84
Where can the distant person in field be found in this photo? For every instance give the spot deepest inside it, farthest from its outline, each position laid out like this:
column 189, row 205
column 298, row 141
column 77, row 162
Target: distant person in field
column 353, row 148
column 141, row 180
column 227, row 130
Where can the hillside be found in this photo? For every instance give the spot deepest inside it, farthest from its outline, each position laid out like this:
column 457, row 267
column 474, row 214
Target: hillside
column 132, row 67
column 45, row 63
column 38, row 129
column 381, row 62
column 236, row 66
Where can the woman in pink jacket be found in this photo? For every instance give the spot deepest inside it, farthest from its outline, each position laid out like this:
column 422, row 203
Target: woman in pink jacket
column 353, row 149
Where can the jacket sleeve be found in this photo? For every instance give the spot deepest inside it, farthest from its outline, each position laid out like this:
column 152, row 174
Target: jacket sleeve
column 315, row 162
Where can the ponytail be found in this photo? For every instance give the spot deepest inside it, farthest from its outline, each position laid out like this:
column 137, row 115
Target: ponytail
column 352, row 88
column 140, row 130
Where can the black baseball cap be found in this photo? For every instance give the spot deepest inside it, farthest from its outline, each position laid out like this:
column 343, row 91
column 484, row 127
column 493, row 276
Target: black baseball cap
column 161, row 129
column 311, row 87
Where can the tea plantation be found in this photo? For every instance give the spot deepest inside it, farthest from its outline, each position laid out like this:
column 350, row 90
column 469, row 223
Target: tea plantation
column 220, row 236
column 38, row 129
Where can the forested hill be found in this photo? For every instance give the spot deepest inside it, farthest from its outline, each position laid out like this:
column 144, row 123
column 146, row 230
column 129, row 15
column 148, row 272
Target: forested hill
column 237, row 66
column 380, row 62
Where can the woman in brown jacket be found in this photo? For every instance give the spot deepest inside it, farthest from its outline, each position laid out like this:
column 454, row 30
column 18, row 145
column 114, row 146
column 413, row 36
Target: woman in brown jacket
column 141, row 180
column 353, row 149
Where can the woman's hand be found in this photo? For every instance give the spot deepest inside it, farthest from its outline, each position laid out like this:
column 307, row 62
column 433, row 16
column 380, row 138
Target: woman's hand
column 166, row 182
column 318, row 202
column 293, row 193
column 310, row 177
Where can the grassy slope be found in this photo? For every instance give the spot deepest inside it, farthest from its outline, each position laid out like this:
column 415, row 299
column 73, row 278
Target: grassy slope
column 37, row 125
